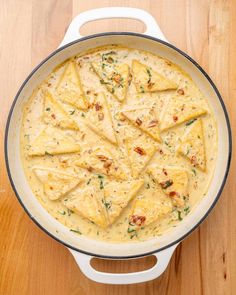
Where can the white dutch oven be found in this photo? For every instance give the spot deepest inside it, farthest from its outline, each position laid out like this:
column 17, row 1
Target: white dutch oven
column 84, row 249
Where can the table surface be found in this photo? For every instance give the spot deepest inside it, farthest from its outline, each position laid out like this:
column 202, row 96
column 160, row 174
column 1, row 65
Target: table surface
column 33, row 263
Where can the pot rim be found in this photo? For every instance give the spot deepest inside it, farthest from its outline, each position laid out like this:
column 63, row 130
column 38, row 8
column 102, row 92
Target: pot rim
column 122, row 34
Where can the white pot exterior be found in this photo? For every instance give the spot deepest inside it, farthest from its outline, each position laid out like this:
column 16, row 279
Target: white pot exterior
column 62, row 233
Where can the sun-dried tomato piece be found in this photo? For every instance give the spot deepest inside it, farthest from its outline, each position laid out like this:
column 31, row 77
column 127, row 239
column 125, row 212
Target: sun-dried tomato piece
column 164, row 171
column 153, row 123
column 193, row 160
column 107, row 164
column 140, row 151
column 137, row 219
column 175, row 118
column 166, row 184
column 98, row 107
column 138, row 122
column 174, row 194
column 117, row 78
column 102, row 158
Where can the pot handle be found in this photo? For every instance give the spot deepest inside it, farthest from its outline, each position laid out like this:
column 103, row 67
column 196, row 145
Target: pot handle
column 73, row 31
column 84, row 262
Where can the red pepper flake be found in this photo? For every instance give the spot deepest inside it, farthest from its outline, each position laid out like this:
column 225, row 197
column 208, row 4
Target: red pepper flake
column 140, row 151
column 98, row 107
column 181, row 91
column 164, row 171
column 90, row 169
column 138, row 220
column 153, row 123
column 175, row 118
column 138, row 122
column 166, row 184
column 53, row 116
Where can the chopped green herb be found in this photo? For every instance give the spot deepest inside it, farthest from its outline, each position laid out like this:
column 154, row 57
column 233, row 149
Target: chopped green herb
column 131, row 224
column 188, row 150
column 62, row 212
column 83, row 115
column 110, row 52
column 186, row 210
column 48, row 109
column 149, row 75
column 106, row 204
column 103, row 82
column 166, row 184
column 72, row 112
column 167, row 143
column 179, row 215
column 112, row 90
column 69, row 212
column 190, row 122
column 88, row 182
column 110, row 59
column 100, row 176
column 47, row 153
column 101, row 184
column 131, row 230
column 92, row 221
column 147, row 186
column 194, row 172
column 134, row 235
column 104, row 55
column 97, row 232
column 76, row 231
column 142, row 89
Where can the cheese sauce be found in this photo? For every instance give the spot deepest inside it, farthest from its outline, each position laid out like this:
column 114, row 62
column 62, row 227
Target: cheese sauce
column 166, row 151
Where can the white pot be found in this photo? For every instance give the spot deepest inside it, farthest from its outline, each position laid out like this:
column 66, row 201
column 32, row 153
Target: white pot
column 83, row 248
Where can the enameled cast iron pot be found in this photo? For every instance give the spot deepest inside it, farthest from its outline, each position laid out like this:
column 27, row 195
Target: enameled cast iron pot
column 82, row 248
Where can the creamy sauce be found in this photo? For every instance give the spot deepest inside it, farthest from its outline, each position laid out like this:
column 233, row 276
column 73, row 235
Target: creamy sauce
column 165, row 155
